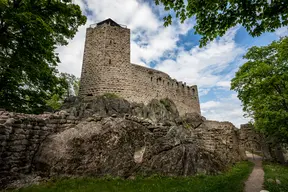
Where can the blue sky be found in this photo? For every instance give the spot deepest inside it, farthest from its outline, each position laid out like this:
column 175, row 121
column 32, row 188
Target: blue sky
column 174, row 50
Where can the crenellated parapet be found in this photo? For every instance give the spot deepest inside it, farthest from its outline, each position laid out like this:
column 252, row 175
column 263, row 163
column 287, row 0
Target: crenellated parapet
column 153, row 84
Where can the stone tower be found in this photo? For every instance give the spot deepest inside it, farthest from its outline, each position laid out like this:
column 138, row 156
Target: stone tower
column 106, row 60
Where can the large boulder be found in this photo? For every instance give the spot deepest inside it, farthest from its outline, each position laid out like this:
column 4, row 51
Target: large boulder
column 124, row 147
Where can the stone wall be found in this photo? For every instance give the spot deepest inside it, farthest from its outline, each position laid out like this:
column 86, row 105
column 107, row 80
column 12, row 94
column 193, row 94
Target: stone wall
column 21, row 136
column 152, row 84
column 220, row 138
column 252, row 140
column 107, row 69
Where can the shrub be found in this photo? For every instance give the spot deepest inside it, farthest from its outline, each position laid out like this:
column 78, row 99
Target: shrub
column 111, row 95
column 166, row 102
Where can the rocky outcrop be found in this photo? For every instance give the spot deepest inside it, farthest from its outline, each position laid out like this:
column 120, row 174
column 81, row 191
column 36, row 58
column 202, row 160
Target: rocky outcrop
column 125, row 147
column 110, row 136
column 157, row 111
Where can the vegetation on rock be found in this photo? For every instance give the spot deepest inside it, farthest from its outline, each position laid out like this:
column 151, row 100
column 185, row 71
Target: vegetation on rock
column 111, row 95
column 29, row 33
column 232, row 180
column 214, row 18
column 166, row 102
column 262, row 84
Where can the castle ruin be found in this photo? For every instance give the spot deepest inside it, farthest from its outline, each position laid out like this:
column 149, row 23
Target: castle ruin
column 107, row 69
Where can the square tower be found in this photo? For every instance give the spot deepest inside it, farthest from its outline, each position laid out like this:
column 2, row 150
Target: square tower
column 106, row 61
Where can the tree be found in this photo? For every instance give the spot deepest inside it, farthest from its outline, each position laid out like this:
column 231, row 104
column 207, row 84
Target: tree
column 55, row 102
column 262, row 86
column 215, row 17
column 30, row 30
column 71, row 88
column 72, row 81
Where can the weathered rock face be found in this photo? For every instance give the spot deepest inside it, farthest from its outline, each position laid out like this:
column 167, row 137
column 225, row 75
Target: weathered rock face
column 123, row 147
column 115, row 137
column 156, row 111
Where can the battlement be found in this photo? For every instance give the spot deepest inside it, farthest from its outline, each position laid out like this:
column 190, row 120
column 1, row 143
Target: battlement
column 158, row 76
column 164, row 81
column 107, row 69
column 109, row 22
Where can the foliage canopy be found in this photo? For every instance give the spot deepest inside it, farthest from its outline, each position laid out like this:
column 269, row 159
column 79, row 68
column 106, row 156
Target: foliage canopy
column 71, row 88
column 30, row 30
column 262, row 86
column 215, row 17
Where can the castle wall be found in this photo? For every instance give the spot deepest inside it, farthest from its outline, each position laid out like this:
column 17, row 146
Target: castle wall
column 151, row 84
column 107, row 69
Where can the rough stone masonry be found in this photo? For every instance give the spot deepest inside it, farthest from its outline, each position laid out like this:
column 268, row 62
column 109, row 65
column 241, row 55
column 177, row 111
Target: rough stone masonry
column 107, row 69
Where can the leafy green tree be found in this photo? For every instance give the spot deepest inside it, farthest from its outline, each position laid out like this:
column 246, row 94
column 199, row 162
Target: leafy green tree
column 55, row 102
column 70, row 88
column 215, row 17
column 30, row 30
column 262, row 86
column 72, row 81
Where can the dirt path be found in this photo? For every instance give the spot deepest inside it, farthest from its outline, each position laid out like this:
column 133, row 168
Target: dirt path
column 256, row 178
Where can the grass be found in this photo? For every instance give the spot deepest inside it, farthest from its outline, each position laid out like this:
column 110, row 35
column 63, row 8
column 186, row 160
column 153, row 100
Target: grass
column 110, row 95
column 167, row 103
column 276, row 171
column 186, row 125
column 233, row 180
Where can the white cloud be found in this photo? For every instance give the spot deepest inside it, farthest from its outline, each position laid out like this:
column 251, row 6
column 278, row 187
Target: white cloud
column 71, row 56
column 281, row 32
column 225, row 84
column 200, row 65
column 225, row 109
column 203, row 92
column 210, row 104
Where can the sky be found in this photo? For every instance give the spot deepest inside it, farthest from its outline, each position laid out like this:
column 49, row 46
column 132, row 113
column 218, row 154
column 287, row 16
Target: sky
column 175, row 51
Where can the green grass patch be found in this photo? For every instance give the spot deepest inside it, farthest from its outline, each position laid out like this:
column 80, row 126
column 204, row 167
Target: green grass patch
column 233, row 180
column 167, row 103
column 187, row 126
column 273, row 172
column 110, row 95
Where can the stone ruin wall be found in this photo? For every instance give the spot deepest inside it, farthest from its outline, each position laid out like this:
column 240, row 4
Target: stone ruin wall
column 152, row 84
column 221, row 138
column 107, row 69
column 254, row 141
column 20, row 137
column 250, row 140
